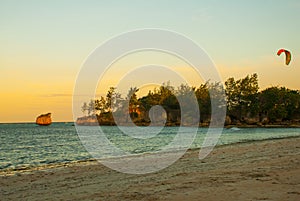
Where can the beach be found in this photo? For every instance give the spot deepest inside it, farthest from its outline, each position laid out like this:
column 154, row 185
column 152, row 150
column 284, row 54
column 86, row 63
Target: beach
column 257, row 170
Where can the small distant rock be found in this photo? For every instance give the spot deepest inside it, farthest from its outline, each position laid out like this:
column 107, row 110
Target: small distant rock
column 44, row 119
column 87, row 121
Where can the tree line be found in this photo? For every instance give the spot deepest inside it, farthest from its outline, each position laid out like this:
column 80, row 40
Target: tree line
column 244, row 102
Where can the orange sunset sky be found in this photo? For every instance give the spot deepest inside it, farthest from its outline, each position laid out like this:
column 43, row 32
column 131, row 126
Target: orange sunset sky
column 44, row 44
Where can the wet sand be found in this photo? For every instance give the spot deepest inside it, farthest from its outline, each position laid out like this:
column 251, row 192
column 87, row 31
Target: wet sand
column 261, row 170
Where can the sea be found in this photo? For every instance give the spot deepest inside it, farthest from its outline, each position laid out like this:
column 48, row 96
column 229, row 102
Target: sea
column 27, row 145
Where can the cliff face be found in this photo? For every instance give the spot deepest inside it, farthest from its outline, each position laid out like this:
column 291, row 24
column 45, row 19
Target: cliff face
column 44, row 119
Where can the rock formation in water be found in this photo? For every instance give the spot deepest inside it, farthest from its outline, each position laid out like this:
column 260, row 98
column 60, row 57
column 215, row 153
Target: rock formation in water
column 87, row 121
column 44, row 119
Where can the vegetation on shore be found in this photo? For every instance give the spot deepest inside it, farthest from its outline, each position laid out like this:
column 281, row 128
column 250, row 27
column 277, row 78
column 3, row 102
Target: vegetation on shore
column 246, row 105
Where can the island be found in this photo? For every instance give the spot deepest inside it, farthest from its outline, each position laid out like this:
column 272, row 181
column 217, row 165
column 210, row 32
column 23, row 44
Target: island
column 44, row 119
column 246, row 105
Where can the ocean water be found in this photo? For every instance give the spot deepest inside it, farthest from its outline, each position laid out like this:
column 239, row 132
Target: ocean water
column 27, row 145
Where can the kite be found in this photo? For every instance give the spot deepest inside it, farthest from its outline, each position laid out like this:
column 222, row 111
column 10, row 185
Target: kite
column 287, row 55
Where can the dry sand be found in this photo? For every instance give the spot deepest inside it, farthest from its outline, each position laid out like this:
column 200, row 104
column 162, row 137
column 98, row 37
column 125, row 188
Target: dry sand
column 264, row 170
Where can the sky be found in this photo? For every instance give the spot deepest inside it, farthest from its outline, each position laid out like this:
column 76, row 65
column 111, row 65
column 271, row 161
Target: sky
column 45, row 43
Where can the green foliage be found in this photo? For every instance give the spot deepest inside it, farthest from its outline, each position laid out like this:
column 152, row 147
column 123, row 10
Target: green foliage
column 84, row 107
column 280, row 103
column 113, row 100
column 242, row 96
column 242, row 101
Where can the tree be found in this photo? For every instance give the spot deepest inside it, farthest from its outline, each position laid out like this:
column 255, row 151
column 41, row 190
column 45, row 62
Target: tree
column 165, row 95
column 279, row 103
column 131, row 103
column 203, row 98
column 84, row 107
column 187, row 100
column 207, row 94
column 132, row 97
column 100, row 105
column 293, row 104
column 244, row 102
column 242, row 96
column 113, row 100
column 91, row 107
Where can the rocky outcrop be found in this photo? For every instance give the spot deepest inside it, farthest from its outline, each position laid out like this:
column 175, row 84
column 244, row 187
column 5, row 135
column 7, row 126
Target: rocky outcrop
column 107, row 120
column 227, row 120
column 251, row 120
column 87, row 121
column 44, row 119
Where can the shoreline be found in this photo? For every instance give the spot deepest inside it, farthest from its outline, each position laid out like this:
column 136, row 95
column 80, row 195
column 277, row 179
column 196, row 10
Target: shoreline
column 93, row 161
column 95, row 121
column 201, row 125
column 263, row 126
column 204, row 125
column 260, row 170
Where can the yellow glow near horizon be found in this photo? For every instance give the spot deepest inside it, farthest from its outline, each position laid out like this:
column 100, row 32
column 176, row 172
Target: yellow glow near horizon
column 44, row 43
column 26, row 94
column 129, row 65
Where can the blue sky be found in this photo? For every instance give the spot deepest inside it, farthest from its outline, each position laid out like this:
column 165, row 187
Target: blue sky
column 43, row 43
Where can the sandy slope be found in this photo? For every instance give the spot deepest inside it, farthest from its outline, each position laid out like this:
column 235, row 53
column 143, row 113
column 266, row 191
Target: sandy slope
column 266, row 170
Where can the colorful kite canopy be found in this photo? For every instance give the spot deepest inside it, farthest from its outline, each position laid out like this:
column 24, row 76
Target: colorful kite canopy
column 287, row 55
